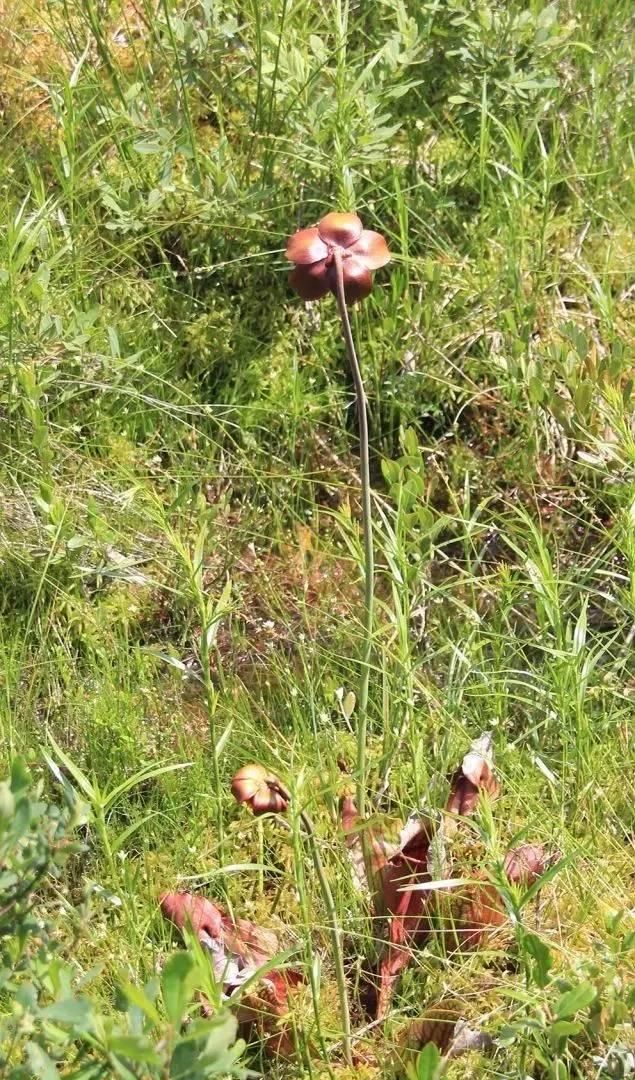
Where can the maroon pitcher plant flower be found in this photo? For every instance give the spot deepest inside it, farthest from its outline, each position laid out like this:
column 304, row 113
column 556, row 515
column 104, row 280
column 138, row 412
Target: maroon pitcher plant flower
column 339, row 255
column 260, row 790
column 336, row 238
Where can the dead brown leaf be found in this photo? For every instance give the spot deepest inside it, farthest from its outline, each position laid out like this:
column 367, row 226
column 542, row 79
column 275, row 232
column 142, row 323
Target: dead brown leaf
column 443, row 1025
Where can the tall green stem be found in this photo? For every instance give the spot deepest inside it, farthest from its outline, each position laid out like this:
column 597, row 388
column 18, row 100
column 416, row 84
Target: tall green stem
column 367, row 525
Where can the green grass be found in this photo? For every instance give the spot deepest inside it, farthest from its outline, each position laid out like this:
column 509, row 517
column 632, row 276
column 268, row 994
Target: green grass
column 178, row 451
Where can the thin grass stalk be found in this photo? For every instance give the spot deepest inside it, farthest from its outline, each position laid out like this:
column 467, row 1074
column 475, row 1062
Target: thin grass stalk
column 336, row 937
column 334, row 925
column 211, row 699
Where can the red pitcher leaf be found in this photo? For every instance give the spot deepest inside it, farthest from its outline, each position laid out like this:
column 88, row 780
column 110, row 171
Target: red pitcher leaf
column 481, row 913
column 436, row 1026
column 186, row 910
column 394, row 959
column 237, row 949
column 348, row 814
column 525, row 864
column 253, row 944
column 405, row 931
column 379, row 850
column 475, row 774
column 407, row 907
column 236, row 946
column 205, row 920
column 408, row 867
column 414, row 841
column 265, row 1009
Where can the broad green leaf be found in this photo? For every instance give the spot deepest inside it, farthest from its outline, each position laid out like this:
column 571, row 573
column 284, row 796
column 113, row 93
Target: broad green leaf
column 7, row 802
column 134, row 1048
column 348, row 704
column 42, row 1066
column 573, row 1000
column 391, row 471
column 541, row 956
column 176, row 984
column 20, row 776
column 74, row 1011
column 428, row 1062
column 563, row 1029
column 221, row 1036
column 411, row 442
column 136, row 996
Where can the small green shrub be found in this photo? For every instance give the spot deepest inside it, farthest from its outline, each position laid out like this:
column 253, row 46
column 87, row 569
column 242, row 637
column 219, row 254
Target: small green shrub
column 47, row 1019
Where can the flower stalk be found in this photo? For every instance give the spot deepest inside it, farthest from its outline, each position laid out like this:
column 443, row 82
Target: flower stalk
column 367, row 527
column 339, row 256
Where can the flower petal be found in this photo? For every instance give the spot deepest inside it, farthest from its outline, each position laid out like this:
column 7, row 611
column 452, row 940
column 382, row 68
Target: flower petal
column 277, row 804
column 342, row 229
column 260, row 804
column 358, row 281
column 266, row 801
column 306, row 247
column 310, row 282
column 247, row 782
column 372, row 249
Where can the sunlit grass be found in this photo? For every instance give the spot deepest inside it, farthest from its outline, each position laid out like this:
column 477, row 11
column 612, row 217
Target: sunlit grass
column 177, row 429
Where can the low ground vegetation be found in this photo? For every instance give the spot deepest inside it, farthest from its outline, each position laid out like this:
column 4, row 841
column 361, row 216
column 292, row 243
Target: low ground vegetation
column 180, row 545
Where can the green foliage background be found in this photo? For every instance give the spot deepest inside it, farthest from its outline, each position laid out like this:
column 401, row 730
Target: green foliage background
column 172, row 419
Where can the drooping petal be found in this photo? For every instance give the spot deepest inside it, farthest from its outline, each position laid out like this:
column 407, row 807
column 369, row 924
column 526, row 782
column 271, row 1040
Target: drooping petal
column 371, row 249
column 306, row 247
column 341, row 229
column 358, row 281
column 266, row 801
column 310, row 282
